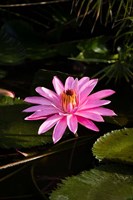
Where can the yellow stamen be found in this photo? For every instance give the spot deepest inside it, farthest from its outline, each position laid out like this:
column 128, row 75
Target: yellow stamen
column 68, row 97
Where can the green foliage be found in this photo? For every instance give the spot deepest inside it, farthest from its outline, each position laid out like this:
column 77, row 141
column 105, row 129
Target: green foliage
column 113, row 66
column 95, row 50
column 103, row 10
column 115, row 146
column 15, row 131
column 20, row 41
column 104, row 182
column 121, row 68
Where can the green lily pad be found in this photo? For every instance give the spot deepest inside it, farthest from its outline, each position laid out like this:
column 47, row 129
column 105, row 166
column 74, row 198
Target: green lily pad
column 115, row 146
column 104, row 182
column 15, row 132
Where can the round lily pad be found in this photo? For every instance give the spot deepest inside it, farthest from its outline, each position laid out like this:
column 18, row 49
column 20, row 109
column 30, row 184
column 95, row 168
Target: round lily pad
column 115, row 146
column 105, row 182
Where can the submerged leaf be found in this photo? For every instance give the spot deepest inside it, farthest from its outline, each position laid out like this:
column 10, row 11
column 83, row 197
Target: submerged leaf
column 105, row 182
column 115, row 146
column 11, row 49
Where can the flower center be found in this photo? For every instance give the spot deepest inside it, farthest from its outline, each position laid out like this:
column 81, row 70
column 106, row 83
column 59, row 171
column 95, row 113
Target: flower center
column 69, row 100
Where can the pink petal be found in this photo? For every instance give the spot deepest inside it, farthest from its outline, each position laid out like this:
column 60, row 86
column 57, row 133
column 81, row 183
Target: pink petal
column 35, row 108
column 93, row 104
column 101, row 94
column 89, row 115
column 70, row 108
column 68, row 83
column 75, row 85
column 37, row 100
column 49, row 94
column 83, row 81
column 58, row 85
column 59, row 129
column 72, row 123
column 34, row 117
column 46, row 110
column 87, row 123
column 49, row 123
column 86, row 89
column 103, row 111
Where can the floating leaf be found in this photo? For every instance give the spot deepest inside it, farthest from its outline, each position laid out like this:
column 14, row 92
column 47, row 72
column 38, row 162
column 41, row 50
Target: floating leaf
column 105, row 182
column 115, row 146
column 15, row 131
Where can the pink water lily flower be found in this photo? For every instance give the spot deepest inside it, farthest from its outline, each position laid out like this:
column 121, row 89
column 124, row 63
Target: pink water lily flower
column 70, row 104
